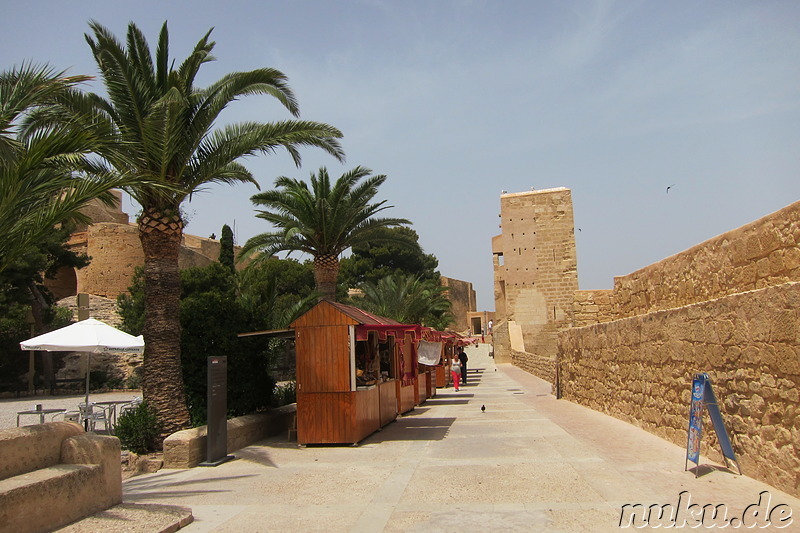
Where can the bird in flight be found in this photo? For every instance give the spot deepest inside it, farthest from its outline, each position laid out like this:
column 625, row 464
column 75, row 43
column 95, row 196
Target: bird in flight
column 668, row 188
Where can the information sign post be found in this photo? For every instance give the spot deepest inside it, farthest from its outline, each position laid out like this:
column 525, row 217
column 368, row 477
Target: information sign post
column 217, row 429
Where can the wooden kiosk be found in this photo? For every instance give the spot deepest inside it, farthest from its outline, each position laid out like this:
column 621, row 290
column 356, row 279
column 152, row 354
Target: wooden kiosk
column 355, row 373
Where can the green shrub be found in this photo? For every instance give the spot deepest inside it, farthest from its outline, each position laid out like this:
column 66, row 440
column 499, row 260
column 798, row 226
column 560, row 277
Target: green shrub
column 115, row 383
column 285, row 394
column 134, row 381
column 138, row 429
column 97, row 379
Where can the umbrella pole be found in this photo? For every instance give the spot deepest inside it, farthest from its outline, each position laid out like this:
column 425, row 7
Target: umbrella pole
column 86, row 399
column 88, row 364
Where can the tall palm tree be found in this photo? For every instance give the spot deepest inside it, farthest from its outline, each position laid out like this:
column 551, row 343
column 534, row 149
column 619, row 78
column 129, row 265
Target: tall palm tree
column 45, row 175
column 323, row 221
column 407, row 299
column 163, row 131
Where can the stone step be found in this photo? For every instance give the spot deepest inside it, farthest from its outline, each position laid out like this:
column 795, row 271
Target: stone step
column 134, row 518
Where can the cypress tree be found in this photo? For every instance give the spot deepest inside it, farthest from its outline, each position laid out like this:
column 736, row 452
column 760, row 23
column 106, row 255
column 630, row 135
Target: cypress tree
column 226, row 248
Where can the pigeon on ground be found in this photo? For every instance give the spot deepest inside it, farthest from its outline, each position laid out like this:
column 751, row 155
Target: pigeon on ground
column 483, row 408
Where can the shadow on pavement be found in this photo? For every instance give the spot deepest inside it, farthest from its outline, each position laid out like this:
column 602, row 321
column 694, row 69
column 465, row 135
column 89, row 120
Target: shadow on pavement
column 412, row 429
column 162, row 484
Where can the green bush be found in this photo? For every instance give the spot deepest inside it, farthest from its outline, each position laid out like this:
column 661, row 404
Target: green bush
column 285, row 394
column 134, row 381
column 138, row 429
column 97, row 379
column 115, row 383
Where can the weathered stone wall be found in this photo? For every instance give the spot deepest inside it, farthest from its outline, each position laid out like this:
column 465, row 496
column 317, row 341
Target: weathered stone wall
column 542, row 366
column 502, row 343
column 640, row 369
column 187, row 448
column 757, row 255
column 535, row 272
column 115, row 251
column 462, row 296
column 591, row 307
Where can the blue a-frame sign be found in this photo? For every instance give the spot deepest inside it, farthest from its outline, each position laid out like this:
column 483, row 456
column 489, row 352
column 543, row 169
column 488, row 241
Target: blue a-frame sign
column 703, row 397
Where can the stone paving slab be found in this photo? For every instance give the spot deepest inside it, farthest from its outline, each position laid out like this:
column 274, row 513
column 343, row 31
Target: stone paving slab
column 529, row 463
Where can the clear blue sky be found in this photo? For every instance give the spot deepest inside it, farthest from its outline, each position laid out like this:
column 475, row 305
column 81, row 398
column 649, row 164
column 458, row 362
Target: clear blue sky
column 458, row 100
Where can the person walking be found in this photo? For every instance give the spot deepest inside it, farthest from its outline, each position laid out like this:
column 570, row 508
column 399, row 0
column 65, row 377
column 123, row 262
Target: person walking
column 462, row 357
column 455, row 372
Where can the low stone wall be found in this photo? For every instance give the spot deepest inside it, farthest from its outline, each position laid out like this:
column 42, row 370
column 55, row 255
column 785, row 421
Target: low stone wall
column 542, row 366
column 640, row 369
column 187, row 448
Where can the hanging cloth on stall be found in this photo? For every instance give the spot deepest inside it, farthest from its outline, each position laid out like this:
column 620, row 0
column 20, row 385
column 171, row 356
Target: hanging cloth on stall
column 429, row 353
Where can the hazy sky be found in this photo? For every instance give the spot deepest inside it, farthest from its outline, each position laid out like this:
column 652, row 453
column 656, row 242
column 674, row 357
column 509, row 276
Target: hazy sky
column 458, row 100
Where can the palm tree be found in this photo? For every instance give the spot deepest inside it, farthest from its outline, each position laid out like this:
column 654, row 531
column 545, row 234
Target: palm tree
column 323, row 221
column 43, row 179
column 163, row 131
column 407, row 299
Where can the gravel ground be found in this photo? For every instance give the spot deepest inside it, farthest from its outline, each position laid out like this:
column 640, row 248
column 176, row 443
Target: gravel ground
column 10, row 406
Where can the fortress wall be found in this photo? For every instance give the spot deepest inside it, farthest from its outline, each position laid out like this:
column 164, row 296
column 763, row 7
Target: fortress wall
column 591, row 307
column 205, row 247
column 462, row 296
column 757, row 255
column 115, row 251
column 640, row 370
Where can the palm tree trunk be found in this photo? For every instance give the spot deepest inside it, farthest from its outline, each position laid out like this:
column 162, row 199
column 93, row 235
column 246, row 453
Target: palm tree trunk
column 326, row 273
column 162, row 380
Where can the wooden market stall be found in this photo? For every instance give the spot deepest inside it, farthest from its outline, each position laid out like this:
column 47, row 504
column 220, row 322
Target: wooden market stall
column 355, row 372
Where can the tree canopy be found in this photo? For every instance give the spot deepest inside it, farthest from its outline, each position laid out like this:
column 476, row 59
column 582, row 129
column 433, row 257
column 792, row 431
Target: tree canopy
column 322, row 220
column 374, row 260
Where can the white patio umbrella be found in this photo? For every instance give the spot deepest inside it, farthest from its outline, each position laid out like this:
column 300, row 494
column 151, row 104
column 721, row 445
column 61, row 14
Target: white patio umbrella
column 91, row 336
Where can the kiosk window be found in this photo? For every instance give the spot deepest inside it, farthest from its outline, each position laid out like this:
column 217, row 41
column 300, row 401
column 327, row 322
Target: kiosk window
column 367, row 362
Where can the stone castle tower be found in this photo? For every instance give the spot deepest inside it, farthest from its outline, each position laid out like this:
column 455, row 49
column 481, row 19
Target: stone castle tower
column 113, row 244
column 535, row 277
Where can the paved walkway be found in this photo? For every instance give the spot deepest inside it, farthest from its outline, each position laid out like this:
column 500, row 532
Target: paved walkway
column 528, row 463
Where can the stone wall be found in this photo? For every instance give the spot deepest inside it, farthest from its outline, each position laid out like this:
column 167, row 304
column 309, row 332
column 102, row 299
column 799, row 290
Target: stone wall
column 188, row 448
column 535, row 273
column 115, row 251
column 591, row 307
column 757, row 255
column 462, row 296
column 542, row 366
column 502, row 343
column 640, row 369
